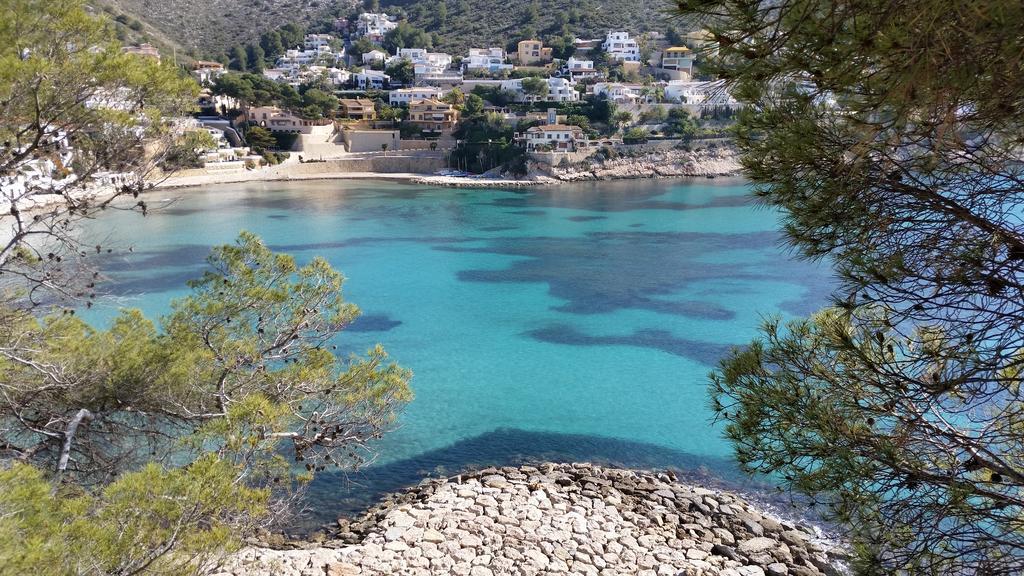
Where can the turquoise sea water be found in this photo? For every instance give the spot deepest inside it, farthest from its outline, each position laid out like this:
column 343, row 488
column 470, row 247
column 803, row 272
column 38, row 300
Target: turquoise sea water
column 572, row 322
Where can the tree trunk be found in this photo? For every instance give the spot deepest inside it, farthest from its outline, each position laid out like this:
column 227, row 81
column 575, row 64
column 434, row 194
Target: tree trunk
column 82, row 415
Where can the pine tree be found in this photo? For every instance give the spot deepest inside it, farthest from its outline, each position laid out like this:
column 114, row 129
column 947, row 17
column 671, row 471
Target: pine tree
column 238, row 60
column 889, row 137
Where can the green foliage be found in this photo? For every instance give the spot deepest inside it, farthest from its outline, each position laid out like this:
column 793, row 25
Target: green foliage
column 442, row 14
column 622, row 118
column 185, row 151
column 215, row 28
column 579, row 120
column 402, row 72
column 495, row 95
column 362, row 46
column 125, row 527
column 254, row 56
column 238, row 59
column 319, row 104
column 406, row 36
column 895, row 157
column 257, row 90
column 478, row 23
column 65, row 81
column 679, row 123
column 387, row 112
column 272, row 45
column 169, row 442
column 283, row 141
column 457, row 26
column 474, row 107
column 292, row 34
column 47, row 83
column 536, row 87
column 602, row 111
column 562, row 47
column 486, row 142
column 635, row 135
column 260, row 139
column 673, row 37
column 656, row 114
column 455, row 97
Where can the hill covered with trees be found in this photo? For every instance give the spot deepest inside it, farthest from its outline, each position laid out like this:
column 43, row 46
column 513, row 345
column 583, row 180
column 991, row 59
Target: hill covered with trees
column 203, row 28
column 209, row 30
column 462, row 24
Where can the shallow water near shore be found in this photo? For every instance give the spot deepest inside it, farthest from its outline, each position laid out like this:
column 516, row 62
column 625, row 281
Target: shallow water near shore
column 557, row 323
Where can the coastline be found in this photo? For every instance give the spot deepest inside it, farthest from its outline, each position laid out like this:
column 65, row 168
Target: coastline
column 547, row 518
column 720, row 162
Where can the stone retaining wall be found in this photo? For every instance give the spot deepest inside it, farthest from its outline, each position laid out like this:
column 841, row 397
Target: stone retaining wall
column 390, row 163
column 557, row 519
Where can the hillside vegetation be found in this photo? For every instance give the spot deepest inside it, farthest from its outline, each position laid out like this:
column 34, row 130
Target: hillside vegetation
column 210, row 27
column 463, row 24
column 205, row 28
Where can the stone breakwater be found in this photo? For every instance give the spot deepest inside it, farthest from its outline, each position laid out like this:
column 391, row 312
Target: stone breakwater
column 721, row 161
column 557, row 519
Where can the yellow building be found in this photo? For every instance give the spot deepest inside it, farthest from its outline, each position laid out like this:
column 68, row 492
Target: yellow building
column 678, row 58
column 533, row 52
column 358, row 108
column 433, row 115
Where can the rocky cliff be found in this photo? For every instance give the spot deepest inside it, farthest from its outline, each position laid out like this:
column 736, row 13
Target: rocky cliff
column 555, row 519
column 719, row 161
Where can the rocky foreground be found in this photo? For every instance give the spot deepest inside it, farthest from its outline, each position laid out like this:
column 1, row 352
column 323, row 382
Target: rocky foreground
column 718, row 161
column 557, row 519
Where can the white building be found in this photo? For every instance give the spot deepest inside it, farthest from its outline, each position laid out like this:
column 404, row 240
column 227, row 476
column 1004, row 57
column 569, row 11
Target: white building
column 424, row 63
column 678, row 58
column 215, row 103
column 488, row 59
column 322, row 55
column 298, row 75
column 277, row 120
column 371, row 79
column 374, row 26
column 555, row 138
column 585, row 44
column 334, row 76
column 374, row 56
column 449, row 78
column 559, row 90
column 619, row 46
column 317, row 41
column 404, row 96
column 711, row 93
column 579, row 69
column 619, row 92
column 206, row 73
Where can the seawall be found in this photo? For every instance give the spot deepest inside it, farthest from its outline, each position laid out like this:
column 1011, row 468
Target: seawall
column 392, row 164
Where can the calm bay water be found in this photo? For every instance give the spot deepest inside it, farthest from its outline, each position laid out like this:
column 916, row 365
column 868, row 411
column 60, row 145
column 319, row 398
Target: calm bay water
column 572, row 322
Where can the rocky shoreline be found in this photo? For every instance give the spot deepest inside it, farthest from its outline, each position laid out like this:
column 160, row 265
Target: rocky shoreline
column 557, row 519
column 671, row 163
